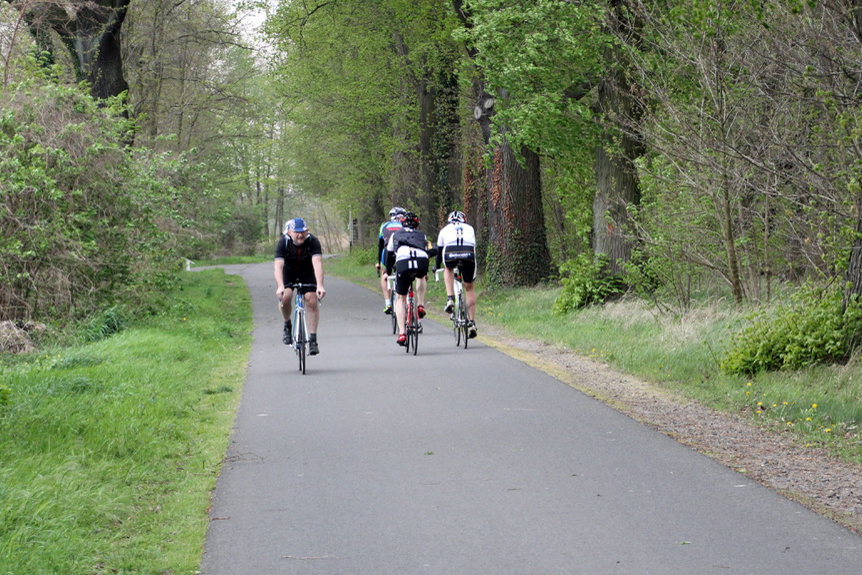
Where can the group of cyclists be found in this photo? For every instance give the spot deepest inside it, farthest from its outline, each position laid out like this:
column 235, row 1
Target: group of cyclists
column 402, row 249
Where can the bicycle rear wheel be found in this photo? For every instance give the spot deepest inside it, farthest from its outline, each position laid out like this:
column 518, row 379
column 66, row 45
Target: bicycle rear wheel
column 408, row 324
column 462, row 318
column 392, row 315
column 456, row 326
column 413, row 333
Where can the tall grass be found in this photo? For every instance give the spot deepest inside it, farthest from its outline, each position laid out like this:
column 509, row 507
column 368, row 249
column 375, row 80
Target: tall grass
column 109, row 450
column 821, row 406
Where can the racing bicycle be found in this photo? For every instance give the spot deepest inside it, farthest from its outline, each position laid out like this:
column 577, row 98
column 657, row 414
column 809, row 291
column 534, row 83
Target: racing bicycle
column 412, row 325
column 300, row 327
column 460, row 322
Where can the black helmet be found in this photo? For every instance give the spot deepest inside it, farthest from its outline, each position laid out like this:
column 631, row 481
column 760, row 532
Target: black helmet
column 410, row 220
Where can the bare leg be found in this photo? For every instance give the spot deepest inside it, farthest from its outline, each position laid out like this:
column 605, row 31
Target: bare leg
column 401, row 312
column 384, row 286
column 285, row 304
column 421, row 287
column 449, row 281
column 470, row 300
column 313, row 311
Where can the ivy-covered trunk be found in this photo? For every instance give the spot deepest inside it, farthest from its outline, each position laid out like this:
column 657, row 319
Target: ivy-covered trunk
column 517, row 245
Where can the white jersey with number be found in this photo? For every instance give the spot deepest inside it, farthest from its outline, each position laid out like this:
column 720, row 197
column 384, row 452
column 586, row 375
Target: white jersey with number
column 457, row 235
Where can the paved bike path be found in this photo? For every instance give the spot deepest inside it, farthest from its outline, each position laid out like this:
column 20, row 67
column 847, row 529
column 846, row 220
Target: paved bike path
column 469, row 462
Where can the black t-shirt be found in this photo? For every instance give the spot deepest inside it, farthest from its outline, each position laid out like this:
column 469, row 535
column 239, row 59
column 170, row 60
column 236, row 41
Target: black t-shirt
column 297, row 258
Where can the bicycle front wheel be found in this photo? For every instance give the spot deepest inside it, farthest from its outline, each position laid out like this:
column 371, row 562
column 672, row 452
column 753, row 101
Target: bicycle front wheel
column 301, row 344
column 394, row 318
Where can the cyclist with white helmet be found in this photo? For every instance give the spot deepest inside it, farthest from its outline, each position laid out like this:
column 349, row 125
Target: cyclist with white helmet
column 410, row 255
column 387, row 228
column 456, row 248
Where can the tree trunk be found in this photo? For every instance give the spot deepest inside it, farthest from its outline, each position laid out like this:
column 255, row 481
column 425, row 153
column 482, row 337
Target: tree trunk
column 517, row 246
column 854, row 272
column 91, row 33
column 616, row 176
column 616, row 188
column 517, row 252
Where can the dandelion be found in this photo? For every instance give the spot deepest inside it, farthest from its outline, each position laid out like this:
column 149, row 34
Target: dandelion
column 813, row 406
column 828, row 430
column 807, row 419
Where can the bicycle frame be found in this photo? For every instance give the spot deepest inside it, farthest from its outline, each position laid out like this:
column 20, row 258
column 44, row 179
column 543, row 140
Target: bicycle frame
column 300, row 325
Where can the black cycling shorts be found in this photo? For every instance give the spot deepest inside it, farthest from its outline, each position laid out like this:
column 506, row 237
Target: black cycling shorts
column 408, row 270
column 463, row 259
column 302, row 278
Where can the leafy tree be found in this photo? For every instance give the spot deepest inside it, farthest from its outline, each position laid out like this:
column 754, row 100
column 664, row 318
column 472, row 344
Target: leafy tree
column 369, row 91
column 567, row 96
column 749, row 141
column 508, row 211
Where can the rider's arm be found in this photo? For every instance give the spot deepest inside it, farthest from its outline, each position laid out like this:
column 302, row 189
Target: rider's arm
column 317, row 264
column 279, row 276
column 390, row 255
column 439, row 262
column 278, row 267
column 380, row 247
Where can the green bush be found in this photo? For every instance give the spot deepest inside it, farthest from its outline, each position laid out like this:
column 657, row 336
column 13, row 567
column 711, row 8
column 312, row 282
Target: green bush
column 814, row 328
column 109, row 322
column 88, row 221
column 585, row 283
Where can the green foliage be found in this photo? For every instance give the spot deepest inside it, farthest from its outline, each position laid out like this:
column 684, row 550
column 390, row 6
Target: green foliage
column 107, row 323
column 814, row 328
column 88, row 221
column 364, row 256
column 533, row 56
column 586, row 283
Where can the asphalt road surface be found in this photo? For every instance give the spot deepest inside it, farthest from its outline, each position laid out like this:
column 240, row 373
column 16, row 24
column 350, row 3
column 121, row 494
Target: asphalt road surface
column 468, row 462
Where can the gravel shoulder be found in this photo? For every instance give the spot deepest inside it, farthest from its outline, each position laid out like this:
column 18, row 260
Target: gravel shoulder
column 809, row 476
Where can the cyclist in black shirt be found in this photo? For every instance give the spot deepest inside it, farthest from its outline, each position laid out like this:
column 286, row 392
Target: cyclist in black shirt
column 299, row 259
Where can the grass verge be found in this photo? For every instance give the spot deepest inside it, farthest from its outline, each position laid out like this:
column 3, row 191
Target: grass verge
column 109, row 450
column 820, row 406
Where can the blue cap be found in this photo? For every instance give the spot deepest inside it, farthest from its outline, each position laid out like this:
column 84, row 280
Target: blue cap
column 297, row 225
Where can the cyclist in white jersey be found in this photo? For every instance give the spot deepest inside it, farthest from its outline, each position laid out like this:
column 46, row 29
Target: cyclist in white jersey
column 456, row 248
